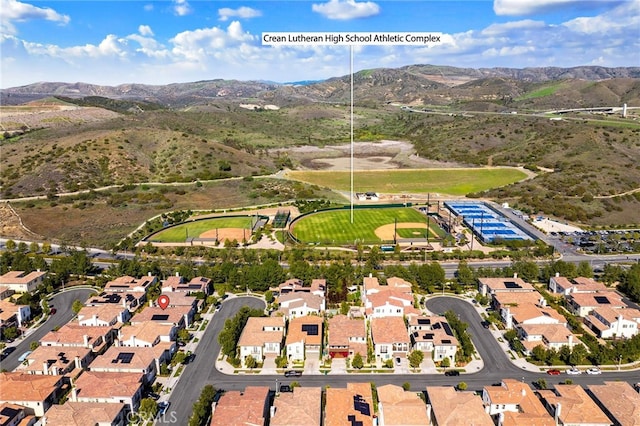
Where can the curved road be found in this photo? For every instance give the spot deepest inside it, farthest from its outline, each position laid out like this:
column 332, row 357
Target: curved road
column 497, row 366
column 62, row 303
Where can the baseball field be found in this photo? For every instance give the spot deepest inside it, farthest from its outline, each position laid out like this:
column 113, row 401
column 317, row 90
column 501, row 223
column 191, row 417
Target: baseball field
column 221, row 228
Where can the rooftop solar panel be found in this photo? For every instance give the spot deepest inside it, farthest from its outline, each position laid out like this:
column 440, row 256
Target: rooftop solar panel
column 310, row 329
column 125, row 357
column 159, row 317
column 603, row 300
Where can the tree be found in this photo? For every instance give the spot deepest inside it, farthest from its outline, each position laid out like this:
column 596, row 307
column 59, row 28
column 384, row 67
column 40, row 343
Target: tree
column 415, row 358
column 584, row 269
column 344, row 308
column 34, row 345
column 184, row 335
column 34, row 247
column 46, row 247
column 541, row 384
column 268, row 296
column 446, row 362
column 357, row 361
column 77, row 306
column 281, row 361
column 10, row 245
column 250, row 362
column 465, row 275
column 148, row 409
column 462, row 386
column 10, row 333
column 578, row 355
column 406, row 386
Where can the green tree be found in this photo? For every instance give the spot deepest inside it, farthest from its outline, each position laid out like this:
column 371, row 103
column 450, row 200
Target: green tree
column 527, row 270
column 344, row 308
column 281, row 361
column 541, row 384
column 148, row 408
column 465, row 275
column 34, row 345
column 268, row 296
column 34, row 247
column 10, row 245
column 10, row 333
column 578, row 355
column 445, row 363
column 415, row 358
column 584, row 269
column 76, row 306
column 178, row 358
column 462, row 386
column 250, row 362
column 184, row 335
column 357, row 361
column 406, row 386
column 46, row 247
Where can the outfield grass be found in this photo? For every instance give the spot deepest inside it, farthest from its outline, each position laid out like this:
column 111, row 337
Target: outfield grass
column 443, row 181
column 178, row 234
column 335, row 227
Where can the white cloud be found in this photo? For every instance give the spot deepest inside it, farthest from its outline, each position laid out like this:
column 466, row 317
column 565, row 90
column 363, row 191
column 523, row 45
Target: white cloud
column 198, row 44
column 346, row 9
column 622, row 18
column 181, row 7
column 15, row 11
column 243, row 12
column 145, row 30
column 531, row 7
column 148, row 7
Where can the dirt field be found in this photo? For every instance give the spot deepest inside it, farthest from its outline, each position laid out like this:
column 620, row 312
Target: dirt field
column 385, row 232
column 222, row 234
column 12, row 227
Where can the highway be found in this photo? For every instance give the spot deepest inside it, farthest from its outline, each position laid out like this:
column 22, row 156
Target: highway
column 62, row 303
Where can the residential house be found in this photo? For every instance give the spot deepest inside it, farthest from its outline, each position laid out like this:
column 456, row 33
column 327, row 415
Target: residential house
column 581, row 304
column 448, row 407
column 304, row 337
column 319, row 287
column 501, row 300
column 352, row 405
column 15, row 415
column 142, row 361
column 396, row 407
column 565, row 286
column 177, row 316
column 86, row 414
column 235, row 408
column 302, row 407
column 433, row 335
column 570, row 405
column 103, row 315
column 5, row 292
column 527, row 313
column 34, row 392
column 390, row 337
column 551, row 336
column 13, row 315
column 172, row 283
column 347, row 337
column 57, row 361
column 390, row 303
column 491, row 286
column 289, row 286
column 129, row 300
column 72, row 335
column 21, row 281
column 300, row 304
column 196, row 285
column 127, row 284
column 609, row 323
column 513, row 403
column 371, row 285
column 260, row 337
column 619, row 401
column 109, row 387
column 146, row 334
column 183, row 299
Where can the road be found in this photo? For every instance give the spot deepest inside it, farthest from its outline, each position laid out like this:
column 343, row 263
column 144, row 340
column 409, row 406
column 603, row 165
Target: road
column 62, row 302
column 497, row 365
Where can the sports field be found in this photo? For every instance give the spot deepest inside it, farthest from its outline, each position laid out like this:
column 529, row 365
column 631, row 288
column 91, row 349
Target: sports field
column 334, row 226
column 422, row 181
column 203, row 228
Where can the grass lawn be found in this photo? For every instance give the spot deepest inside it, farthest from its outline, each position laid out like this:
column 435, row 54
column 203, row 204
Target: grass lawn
column 443, row 181
column 179, row 233
column 334, row 227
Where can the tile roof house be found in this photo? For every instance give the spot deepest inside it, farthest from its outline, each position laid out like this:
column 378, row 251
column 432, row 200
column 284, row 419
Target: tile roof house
column 448, row 407
column 565, row 286
column 609, row 323
column 86, row 414
column 295, row 285
column 528, row 313
column 581, row 304
column 299, row 304
column 170, row 284
column 261, row 336
column 234, row 408
column 433, row 334
column 350, row 406
column 197, row 284
column 74, row 335
column 389, row 303
column 396, row 407
column 35, row 392
column 347, row 337
column 13, row 414
column 319, row 287
column 109, row 387
column 551, row 336
column 302, row 407
column 146, row 334
column 570, row 405
column 515, row 404
column 12, row 314
column 103, row 315
column 177, row 316
column 57, row 361
column 491, row 286
column 371, row 285
column 129, row 300
column 390, row 337
column 127, row 284
column 502, row 299
column 619, row 401
column 145, row 361
column 21, row 281
column 304, row 337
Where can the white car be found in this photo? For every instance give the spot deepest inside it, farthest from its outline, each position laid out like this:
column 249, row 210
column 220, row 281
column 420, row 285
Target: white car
column 594, row 370
column 573, row 371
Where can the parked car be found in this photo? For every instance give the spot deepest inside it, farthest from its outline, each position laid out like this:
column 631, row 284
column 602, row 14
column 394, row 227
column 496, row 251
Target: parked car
column 53, row 311
column 154, row 396
column 163, row 407
column 553, row 372
column 292, row 373
column 286, row 388
column 573, row 371
column 398, row 360
column 594, row 370
column 452, row 373
column 24, row 356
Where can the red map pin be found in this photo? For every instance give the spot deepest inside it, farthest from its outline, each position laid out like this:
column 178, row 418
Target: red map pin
column 163, row 301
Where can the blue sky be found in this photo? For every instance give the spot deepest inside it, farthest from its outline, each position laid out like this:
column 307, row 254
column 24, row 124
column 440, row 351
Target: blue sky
column 160, row 42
